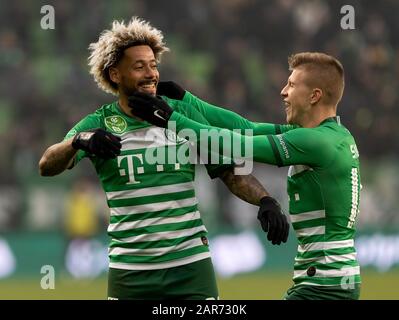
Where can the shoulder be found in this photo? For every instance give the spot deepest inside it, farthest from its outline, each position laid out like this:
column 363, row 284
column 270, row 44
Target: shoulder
column 93, row 120
column 96, row 118
column 105, row 110
column 317, row 142
column 308, row 137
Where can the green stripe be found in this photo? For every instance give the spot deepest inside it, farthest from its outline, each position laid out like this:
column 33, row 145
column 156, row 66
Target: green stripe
column 151, row 178
column 156, row 259
column 308, row 223
column 326, row 266
column 155, row 244
column 321, row 253
column 151, row 199
column 162, row 179
column 326, row 281
column 156, row 214
column 311, row 239
column 157, row 228
column 275, row 151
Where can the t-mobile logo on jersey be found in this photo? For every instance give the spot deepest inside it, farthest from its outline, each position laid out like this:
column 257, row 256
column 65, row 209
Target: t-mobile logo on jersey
column 132, row 164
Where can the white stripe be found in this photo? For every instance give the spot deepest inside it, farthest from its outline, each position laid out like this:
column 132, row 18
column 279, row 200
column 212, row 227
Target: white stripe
column 348, row 271
column 150, row 137
column 327, row 259
column 152, row 207
column 156, row 251
column 150, row 191
column 305, row 232
column 157, row 236
column 131, row 225
column 325, row 245
column 310, row 215
column 293, row 170
column 161, row 265
column 320, row 284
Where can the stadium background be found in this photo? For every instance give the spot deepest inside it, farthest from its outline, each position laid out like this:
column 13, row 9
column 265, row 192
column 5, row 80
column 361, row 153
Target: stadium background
column 230, row 52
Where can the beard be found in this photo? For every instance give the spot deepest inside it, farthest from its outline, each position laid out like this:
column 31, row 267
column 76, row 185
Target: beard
column 128, row 91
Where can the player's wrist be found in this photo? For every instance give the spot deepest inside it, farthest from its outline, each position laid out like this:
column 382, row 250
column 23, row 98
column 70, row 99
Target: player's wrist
column 267, row 200
column 80, row 138
column 76, row 144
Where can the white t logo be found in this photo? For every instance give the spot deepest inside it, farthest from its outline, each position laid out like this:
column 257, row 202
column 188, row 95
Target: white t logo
column 130, row 167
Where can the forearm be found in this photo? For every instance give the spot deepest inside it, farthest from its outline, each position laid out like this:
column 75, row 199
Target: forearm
column 247, row 188
column 57, row 158
column 224, row 118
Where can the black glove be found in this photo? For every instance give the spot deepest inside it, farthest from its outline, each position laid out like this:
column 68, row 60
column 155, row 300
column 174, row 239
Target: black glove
column 171, row 90
column 273, row 220
column 150, row 108
column 98, row 142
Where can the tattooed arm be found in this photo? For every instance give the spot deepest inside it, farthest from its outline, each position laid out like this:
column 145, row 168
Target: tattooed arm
column 246, row 187
column 249, row 189
column 57, row 158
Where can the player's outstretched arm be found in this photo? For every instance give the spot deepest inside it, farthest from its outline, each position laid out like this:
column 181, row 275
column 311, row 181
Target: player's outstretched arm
column 225, row 142
column 159, row 113
column 306, row 146
column 218, row 116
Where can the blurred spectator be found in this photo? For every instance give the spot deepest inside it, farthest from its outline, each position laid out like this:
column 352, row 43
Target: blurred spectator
column 81, row 219
column 82, row 223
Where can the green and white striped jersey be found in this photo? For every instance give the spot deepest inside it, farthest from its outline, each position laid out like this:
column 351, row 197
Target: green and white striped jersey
column 324, row 193
column 154, row 218
column 323, row 188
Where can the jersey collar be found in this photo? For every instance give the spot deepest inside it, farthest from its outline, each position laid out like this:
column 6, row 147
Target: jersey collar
column 336, row 119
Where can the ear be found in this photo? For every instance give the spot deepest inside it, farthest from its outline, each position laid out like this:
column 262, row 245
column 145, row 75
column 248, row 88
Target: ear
column 114, row 75
column 316, row 95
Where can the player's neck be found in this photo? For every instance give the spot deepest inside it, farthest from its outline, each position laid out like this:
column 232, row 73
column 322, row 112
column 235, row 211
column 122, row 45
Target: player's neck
column 318, row 115
column 123, row 104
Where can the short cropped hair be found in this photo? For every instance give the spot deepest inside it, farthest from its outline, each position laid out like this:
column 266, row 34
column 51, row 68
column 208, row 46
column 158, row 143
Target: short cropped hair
column 108, row 50
column 324, row 72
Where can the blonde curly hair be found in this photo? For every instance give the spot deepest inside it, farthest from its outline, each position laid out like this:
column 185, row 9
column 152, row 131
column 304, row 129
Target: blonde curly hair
column 108, row 50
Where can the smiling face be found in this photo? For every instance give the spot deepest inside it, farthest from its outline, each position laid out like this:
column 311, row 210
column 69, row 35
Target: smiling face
column 136, row 71
column 297, row 97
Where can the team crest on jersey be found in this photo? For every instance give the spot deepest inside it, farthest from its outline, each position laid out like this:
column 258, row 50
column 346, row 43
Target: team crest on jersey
column 116, row 124
column 173, row 137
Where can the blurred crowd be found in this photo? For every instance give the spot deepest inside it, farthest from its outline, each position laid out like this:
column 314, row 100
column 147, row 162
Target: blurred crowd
column 230, row 52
